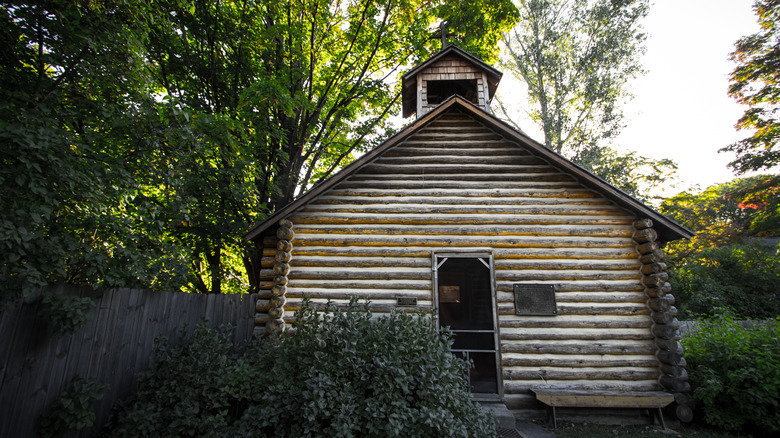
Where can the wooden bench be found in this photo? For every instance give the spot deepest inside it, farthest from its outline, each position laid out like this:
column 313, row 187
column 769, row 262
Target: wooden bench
column 582, row 398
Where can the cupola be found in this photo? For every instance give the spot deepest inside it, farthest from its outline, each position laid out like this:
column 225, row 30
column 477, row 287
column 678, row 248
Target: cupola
column 449, row 72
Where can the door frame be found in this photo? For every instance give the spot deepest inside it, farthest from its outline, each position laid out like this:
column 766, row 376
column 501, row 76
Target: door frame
column 473, row 254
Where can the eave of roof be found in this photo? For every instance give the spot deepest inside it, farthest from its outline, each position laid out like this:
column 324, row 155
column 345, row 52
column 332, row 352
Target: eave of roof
column 667, row 228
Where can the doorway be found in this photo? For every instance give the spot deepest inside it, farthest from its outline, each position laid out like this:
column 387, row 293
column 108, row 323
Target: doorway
column 466, row 302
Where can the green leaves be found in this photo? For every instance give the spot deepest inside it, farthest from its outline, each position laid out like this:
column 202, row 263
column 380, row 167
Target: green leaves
column 755, row 83
column 576, row 57
column 735, row 373
column 339, row 373
column 73, row 409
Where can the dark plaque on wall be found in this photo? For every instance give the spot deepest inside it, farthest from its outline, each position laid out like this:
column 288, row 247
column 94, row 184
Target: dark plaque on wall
column 535, row 299
column 406, row 301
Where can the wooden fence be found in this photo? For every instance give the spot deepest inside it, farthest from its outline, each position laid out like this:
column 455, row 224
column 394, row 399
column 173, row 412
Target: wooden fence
column 113, row 346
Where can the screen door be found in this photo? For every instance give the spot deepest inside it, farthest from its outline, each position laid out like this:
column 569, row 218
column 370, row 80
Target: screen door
column 466, row 305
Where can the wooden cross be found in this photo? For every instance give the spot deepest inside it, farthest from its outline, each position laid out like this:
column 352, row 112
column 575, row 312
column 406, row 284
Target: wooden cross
column 443, row 33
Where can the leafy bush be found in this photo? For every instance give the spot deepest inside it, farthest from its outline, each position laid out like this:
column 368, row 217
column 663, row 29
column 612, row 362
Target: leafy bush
column 338, row 373
column 735, row 374
column 74, row 409
column 742, row 277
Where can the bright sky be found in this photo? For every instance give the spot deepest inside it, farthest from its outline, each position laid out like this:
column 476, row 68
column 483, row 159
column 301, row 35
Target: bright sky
column 681, row 108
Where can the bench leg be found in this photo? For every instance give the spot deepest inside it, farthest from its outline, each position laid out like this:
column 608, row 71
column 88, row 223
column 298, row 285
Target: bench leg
column 660, row 414
column 555, row 418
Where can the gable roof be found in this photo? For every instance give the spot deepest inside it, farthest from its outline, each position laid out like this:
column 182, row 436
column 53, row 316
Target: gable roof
column 409, row 80
column 667, row 228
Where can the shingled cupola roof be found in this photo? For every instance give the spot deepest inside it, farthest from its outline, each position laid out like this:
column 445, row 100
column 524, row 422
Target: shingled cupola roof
column 449, row 72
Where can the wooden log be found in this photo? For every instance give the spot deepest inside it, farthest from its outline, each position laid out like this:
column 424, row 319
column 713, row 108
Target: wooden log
column 269, row 241
column 369, row 218
column 266, row 274
column 281, row 269
column 579, row 348
column 641, row 224
column 262, row 305
column 653, row 268
column 286, row 223
column 669, row 357
column 674, row 384
column 672, row 370
column 655, row 280
column 613, row 335
column 416, row 240
column 282, row 257
column 670, row 298
column 673, row 311
column 683, row 398
column 437, row 229
column 284, row 234
column 275, row 325
column 654, row 292
column 280, row 280
column 683, row 413
column 659, row 292
column 278, row 290
column 665, row 331
column 284, row 245
column 267, row 262
column 662, row 317
column 658, row 304
column 275, row 312
column 586, row 310
column 277, row 302
column 652, row 257
column 666, row 344
column 261, row 318
column 579, row 374
column 579, row 323
column 564, row 362
column 647, row 248
column 646, row 235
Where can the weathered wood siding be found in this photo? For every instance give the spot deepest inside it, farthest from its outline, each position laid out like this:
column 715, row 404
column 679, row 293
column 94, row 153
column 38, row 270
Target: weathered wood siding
column 451, row 68
column 457, row 185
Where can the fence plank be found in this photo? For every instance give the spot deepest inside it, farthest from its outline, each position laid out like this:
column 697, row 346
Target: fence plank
column 112, row 347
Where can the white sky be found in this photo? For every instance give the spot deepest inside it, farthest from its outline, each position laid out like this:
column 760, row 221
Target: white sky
column 681, row 108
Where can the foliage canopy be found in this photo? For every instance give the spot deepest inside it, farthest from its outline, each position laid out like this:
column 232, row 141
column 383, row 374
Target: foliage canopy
column 576, row 58
column 140, row 140
column 755, row 83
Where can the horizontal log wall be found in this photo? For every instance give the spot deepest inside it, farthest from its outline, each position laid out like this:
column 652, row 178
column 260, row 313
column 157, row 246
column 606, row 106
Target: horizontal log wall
column 456, row 185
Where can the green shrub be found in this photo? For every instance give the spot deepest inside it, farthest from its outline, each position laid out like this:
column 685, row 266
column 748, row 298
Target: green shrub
column 742, row 277
column 735, row 374
column 192, row 389
column 338, row 373
column 74, row 409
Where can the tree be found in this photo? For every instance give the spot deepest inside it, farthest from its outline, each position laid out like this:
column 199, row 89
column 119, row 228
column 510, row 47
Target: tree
column 731, row 262
column 756, row 83
column 290, row 90
column 141, row 140
column 576, row 57
column 68, row 97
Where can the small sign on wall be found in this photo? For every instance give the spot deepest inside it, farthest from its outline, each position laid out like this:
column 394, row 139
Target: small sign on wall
column 406, row 301
column 535, row 299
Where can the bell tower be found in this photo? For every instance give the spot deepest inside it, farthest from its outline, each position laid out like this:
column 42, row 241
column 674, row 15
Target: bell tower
column 449, row 72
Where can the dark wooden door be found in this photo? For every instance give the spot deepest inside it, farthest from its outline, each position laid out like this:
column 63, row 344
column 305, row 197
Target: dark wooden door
column 466, row 304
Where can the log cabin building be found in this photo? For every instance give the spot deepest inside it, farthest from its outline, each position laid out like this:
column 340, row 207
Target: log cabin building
column 548, row 276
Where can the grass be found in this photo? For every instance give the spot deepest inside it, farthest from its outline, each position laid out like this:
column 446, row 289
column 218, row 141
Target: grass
column 586, row 430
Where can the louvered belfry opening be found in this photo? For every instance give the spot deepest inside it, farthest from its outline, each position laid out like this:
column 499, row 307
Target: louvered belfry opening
column 450, row 72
